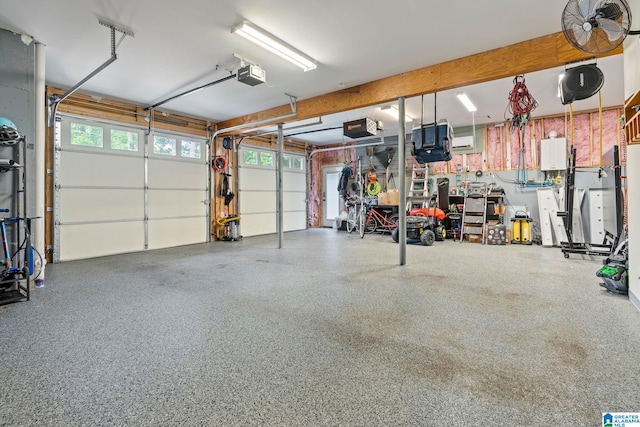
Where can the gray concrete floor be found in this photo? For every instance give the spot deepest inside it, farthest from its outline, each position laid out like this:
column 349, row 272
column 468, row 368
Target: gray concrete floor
column 327, row 331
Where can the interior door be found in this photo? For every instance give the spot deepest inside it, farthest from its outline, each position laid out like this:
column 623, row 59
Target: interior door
column 332, row 203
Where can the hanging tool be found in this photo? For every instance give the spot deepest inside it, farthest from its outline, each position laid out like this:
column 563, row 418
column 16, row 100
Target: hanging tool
column 225, row 190
column 521, row 104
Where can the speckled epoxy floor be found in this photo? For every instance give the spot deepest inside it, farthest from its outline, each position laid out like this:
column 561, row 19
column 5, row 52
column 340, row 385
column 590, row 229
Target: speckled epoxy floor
column 327, row 331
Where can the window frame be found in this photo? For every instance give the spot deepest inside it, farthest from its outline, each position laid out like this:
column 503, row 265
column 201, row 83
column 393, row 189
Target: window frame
column 64, row 129
column 293, row 157
column 179, row 138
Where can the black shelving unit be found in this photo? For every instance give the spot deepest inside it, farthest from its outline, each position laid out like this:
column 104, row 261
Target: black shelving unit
column 15, row 282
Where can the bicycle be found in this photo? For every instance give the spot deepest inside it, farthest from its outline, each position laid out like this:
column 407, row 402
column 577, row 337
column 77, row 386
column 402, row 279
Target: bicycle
column 10, row 274
column 356, row 215
column 375, row 220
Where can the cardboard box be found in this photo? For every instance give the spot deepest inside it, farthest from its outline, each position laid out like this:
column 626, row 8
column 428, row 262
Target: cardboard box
column 474, row 238
column 382, row 198
column 393, row 198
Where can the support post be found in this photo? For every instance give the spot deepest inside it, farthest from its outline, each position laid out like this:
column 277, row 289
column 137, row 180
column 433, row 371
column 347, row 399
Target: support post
column 41, row 128
column 279, row 212
column 402, row 190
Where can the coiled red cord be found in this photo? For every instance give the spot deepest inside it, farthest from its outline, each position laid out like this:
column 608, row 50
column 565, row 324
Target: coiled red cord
column 521, row 104
column 520, row 100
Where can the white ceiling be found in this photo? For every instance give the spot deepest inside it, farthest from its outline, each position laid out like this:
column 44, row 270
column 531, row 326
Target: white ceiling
column 182, row 45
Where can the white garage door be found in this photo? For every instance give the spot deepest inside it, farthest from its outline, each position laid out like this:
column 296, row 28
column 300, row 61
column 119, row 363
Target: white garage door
column 257, row 192
column 110, row 198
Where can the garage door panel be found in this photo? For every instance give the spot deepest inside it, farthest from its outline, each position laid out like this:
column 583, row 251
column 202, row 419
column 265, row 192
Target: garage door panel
column 258, row 224
column 293, row 202
column 176, row 174
column 79, row 204
column 257, row 179
column 257, row 202
column 105, row 193
column 100, row 170
column 294, row 221
column 164, row 233
column 176, row 203
column 257, row 194
column 94, row 240
column 292, row 181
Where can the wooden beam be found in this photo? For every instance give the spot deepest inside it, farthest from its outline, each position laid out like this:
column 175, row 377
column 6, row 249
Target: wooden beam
column 520, row 58
column 122, row 112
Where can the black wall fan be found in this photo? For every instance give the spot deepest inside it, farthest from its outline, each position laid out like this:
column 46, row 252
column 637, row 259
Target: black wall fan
column 596, row 26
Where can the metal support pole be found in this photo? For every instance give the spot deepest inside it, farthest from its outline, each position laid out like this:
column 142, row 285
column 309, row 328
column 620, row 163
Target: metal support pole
column 38, row 222
column 402, row 190
column 279, row 212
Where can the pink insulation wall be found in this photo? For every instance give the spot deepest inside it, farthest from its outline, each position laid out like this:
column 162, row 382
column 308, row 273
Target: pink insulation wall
column 344, row 157
column 502, row 146
column 501, row 149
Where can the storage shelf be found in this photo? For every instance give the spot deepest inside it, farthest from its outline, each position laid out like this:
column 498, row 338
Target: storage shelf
column 14, row 289
column 18, row 295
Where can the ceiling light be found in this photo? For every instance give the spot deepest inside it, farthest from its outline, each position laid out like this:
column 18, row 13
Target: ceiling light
column 393, row 111
column 267, row 41
column 462, row 97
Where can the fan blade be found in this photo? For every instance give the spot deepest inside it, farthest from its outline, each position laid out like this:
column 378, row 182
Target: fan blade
column 582, row 36
column 572, row 14
column 586, row 9
column 613, row 29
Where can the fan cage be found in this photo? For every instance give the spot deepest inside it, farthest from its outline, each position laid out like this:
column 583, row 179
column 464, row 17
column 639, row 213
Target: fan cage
column 598, row 41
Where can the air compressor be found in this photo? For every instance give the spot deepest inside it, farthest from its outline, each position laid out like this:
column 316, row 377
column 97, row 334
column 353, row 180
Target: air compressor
column 521, row 229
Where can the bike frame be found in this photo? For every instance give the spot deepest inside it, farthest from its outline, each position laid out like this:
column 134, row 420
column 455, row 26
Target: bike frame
column 379, row 221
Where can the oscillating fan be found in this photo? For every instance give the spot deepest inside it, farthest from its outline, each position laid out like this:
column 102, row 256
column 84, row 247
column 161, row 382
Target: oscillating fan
column 596, row 26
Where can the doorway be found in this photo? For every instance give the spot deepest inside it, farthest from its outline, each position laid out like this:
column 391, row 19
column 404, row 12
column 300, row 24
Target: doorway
column 331, row 200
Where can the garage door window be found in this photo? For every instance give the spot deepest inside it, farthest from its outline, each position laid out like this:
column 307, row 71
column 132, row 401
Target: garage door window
column 191, row 149
column 266, row 159
column 86, row 135
column 164, row 145
column 124, row 140
column 250, row 157
column 297, row 163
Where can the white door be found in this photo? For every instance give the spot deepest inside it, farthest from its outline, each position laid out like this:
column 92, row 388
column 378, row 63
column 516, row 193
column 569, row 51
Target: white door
column 257, row 195
column 110, row 199
column 332, row 202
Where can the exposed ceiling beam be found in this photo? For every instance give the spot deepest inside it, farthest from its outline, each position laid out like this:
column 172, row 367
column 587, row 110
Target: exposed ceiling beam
column 520, row 58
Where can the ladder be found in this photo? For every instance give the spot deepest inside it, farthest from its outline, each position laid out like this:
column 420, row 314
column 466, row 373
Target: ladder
column 418, row 195
column 474, row 213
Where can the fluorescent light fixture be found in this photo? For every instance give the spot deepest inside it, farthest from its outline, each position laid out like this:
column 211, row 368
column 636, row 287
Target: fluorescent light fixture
column 393, row 111
column 273, row 44
column 462, row 97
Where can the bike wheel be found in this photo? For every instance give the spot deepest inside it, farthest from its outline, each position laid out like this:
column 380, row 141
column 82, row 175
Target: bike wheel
column 370, row 224
column 361, row 219
column 351, row 220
